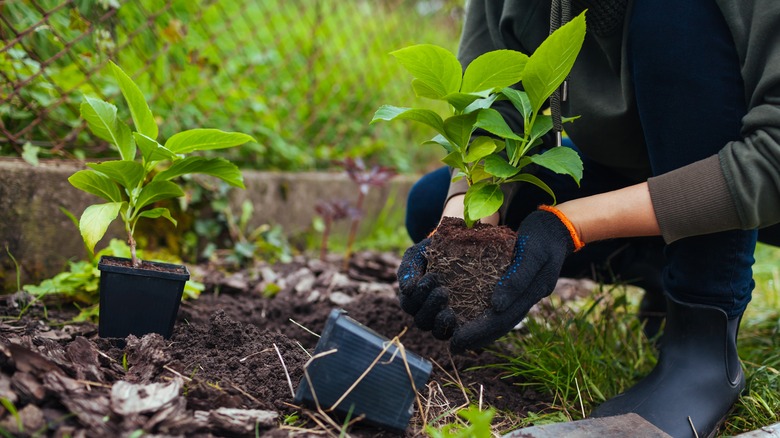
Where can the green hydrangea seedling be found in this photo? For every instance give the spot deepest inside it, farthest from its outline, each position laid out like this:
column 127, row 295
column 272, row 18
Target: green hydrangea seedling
column 499, row 155
column 136, row 181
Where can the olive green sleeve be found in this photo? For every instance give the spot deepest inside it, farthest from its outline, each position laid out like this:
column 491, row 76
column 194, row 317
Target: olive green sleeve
column 693, row 200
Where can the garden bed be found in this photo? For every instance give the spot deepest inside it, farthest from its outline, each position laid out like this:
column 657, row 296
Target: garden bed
column 232, row 363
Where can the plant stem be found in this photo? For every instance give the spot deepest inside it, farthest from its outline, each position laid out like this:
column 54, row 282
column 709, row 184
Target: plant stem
column 324, row 244
column 132, row 244
column 353, row 230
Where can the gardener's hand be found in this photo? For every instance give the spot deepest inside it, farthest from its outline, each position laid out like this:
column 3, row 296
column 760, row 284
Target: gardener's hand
column 544, row 240
column 422, row 295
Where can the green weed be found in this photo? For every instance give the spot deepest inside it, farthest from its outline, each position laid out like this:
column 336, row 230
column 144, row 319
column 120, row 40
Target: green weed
column 580, row 357
column 474, row 423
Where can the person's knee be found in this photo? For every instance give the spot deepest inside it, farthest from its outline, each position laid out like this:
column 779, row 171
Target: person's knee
column 425, row 203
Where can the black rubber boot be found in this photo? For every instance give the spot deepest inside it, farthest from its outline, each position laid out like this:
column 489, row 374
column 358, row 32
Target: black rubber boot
column 697, row 379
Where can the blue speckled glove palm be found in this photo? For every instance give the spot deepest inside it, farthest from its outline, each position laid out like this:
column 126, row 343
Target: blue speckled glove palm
column 544, row 240
column 422, row 295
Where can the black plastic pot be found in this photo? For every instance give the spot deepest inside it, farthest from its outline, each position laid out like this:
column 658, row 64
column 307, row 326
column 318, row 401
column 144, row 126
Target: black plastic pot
column 138, row 301
column 385, row 395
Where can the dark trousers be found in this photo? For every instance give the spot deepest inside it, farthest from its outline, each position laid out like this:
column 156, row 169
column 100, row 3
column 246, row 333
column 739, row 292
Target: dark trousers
column 690, row 100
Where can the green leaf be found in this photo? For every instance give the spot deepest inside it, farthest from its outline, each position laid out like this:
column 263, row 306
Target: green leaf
column 561, row 160
column 491, row 121
column 102, row 121
column 441, row 141
column 204, row 140
column 422, row 89
column 512, row 148
column 483, row 199
column 498, row 166
column 552, row 61
column 480, row 148
column 527, row 177
column 542, row 125
column 496, row 69
column 519, row 100
column 154, row 213
column 157, row 191
column 458, row 129
column 151, row 150
column 478, row 174
column 30, row 153
column 481, row 104
column 143, row 119
column 127, row 173
column 461, row 101
column 424, row 116
column 454, row 159
column 96, row 184
column 95, row 221
column 217, row 167
column 437, row 70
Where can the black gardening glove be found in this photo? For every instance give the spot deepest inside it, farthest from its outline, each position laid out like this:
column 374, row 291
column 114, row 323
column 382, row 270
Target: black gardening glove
column 543, row 243
column 422, row 295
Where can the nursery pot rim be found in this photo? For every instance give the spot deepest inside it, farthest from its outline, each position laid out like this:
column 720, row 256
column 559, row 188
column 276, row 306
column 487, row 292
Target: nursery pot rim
column 168, row 271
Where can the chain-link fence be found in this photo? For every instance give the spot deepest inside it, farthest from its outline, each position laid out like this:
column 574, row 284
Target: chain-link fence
column 302, row 76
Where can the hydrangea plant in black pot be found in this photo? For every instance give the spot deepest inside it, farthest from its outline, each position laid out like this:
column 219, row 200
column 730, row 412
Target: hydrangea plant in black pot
column 139, row 297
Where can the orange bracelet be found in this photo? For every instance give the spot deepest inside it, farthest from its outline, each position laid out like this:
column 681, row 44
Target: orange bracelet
column 578, row 243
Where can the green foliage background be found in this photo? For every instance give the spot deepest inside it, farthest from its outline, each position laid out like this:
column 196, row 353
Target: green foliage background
column 301, row 76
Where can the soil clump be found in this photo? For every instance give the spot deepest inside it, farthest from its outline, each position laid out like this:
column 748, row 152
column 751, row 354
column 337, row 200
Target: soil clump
column 469, row 262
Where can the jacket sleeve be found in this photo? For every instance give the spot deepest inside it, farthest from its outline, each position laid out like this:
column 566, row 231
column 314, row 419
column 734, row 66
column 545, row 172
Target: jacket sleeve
column 739, row 188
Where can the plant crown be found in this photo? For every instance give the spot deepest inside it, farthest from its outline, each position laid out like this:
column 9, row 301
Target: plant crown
column 487, row 161
column 136, row 181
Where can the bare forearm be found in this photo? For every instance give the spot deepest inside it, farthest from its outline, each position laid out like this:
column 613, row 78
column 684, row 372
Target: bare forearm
column 627, row 212
column 454, row 208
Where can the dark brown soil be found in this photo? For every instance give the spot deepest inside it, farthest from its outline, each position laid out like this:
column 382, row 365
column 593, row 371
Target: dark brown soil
column 225, row 370
column 470, row 262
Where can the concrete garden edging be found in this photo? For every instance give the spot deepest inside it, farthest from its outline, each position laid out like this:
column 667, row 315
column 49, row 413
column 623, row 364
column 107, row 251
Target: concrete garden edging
column 43, row 239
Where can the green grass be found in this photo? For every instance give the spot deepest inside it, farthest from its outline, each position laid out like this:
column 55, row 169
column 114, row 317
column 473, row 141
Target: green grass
column 584, row 352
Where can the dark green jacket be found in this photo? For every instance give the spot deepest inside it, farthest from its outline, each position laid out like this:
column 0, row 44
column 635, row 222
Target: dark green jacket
column 739, row 188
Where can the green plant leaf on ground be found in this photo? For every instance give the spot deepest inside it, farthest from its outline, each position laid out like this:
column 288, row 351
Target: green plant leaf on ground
column 478, row 425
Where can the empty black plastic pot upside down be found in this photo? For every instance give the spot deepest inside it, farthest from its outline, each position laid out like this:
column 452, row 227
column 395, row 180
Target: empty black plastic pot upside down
column 139, row 301
column 349, row 352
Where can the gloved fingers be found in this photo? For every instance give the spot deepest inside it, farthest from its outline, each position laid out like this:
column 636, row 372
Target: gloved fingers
column 486, row 329
column 413, row 264
column 414, row 296
column 425, row 319
column 445, row 324
column 520, row 274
